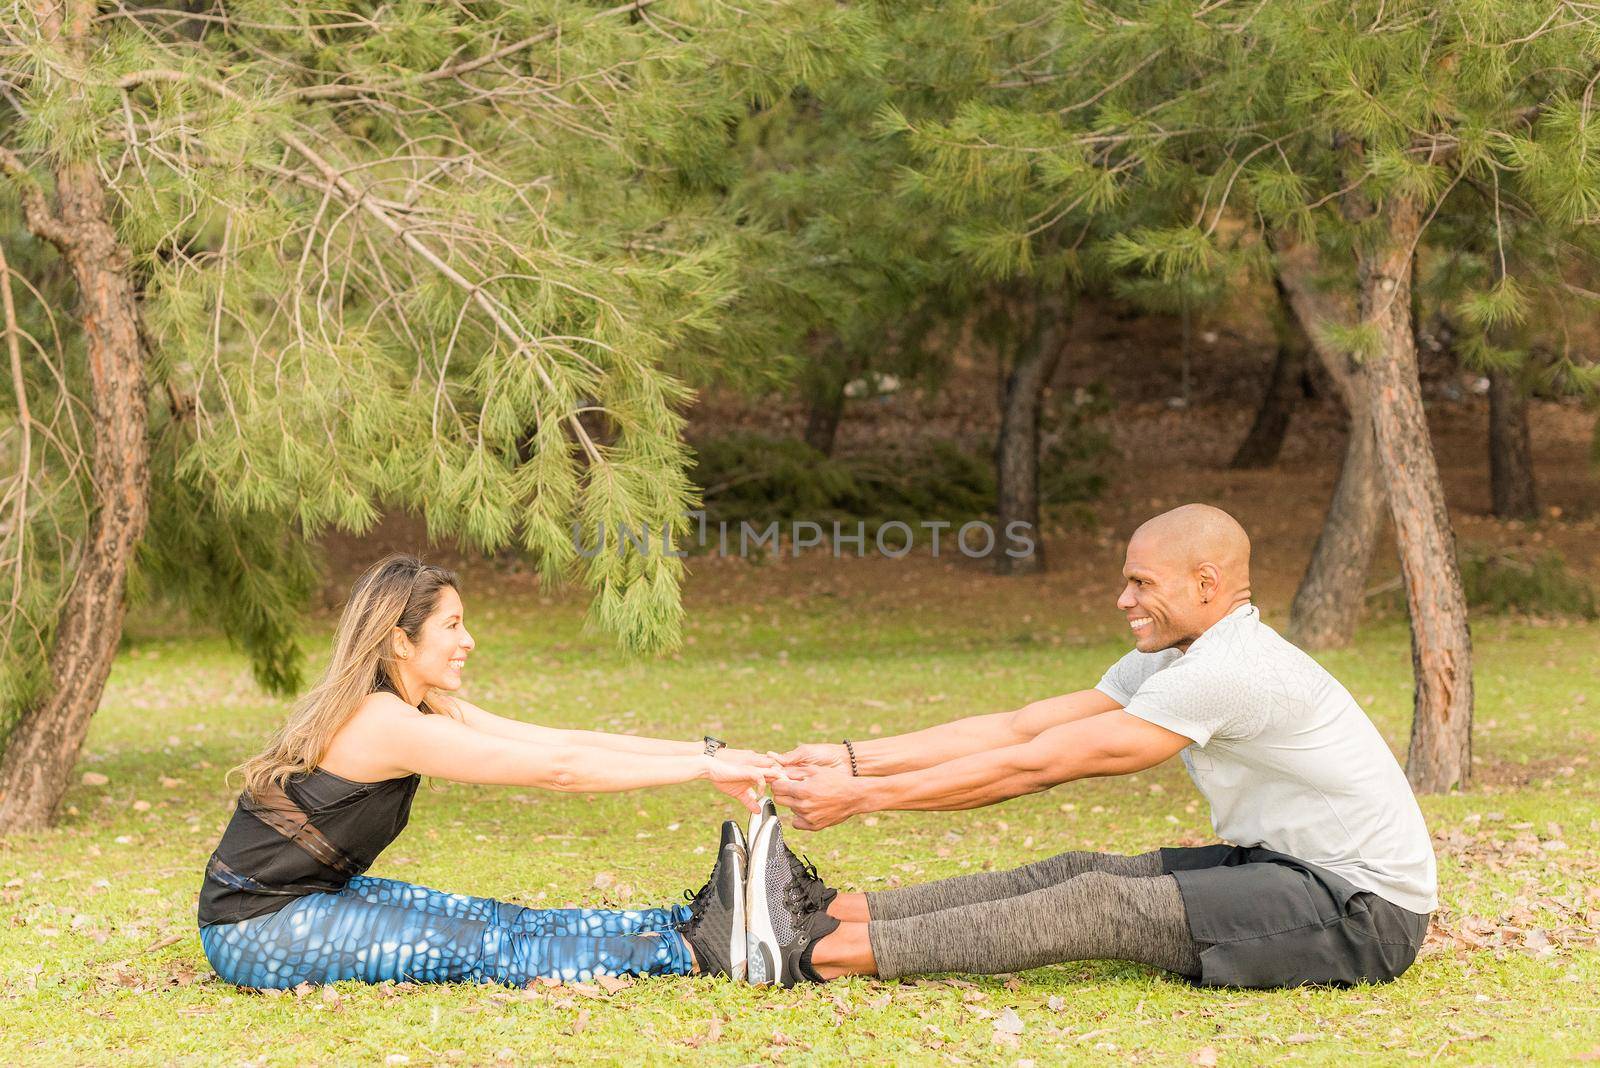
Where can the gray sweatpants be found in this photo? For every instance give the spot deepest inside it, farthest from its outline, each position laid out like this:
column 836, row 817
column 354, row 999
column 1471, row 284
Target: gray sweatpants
column 1074, row 906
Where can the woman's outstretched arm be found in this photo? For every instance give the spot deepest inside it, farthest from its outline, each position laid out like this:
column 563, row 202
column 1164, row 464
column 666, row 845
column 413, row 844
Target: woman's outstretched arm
column 482, row 720
column 408, row 742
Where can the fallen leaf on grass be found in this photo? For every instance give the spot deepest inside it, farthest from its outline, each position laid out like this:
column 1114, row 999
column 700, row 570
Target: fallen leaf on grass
column 121, row 975
column 613, row 983
column 1009, row 1022
column 710, row 1035
column 162, row 943
column 582, row 1022
column 94, row 778
column 1007, row 1029
column 1205, row 1056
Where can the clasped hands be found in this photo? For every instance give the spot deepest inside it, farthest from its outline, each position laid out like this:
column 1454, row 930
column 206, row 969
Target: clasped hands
column 813, row 781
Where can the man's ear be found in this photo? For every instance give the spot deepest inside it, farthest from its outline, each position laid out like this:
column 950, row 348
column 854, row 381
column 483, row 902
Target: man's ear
column 1210, row 581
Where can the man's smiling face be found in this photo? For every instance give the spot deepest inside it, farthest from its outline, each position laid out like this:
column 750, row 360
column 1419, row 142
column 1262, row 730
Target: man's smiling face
column 1185, row 570
column 1160, row 598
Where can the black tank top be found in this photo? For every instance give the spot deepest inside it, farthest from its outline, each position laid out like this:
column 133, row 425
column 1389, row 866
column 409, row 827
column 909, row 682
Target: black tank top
column 262, row 871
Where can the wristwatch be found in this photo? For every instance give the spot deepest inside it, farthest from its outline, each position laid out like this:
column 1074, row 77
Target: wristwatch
column 713, row 744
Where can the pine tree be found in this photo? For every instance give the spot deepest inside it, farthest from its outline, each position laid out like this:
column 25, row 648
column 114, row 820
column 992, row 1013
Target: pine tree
column 1029, row 206
column 1365, row 120
column 287, row 267
column 1351, row 125
column 1498, row 274
column 848, row 270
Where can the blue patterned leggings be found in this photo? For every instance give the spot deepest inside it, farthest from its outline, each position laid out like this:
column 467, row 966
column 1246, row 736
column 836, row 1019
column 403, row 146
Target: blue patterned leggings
column 377, row 929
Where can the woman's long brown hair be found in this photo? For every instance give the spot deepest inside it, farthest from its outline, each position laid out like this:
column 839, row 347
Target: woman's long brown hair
column 398, row 591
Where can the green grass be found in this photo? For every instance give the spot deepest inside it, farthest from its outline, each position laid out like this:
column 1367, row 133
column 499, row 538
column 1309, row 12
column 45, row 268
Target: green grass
column 100, row 962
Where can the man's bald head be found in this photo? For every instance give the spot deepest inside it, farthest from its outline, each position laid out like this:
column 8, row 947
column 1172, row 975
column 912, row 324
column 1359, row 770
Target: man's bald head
column 1185, row 570
column 1193, row 534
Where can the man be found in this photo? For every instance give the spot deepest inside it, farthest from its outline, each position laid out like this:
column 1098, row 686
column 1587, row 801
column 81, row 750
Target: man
column 1331, row 875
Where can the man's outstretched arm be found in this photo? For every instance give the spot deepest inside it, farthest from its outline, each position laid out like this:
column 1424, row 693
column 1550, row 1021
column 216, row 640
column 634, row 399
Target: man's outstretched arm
column 948, row 741
column 1111, row 743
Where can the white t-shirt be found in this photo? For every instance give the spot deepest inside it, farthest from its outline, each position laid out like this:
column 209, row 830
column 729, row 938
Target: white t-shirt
column 1285, row 756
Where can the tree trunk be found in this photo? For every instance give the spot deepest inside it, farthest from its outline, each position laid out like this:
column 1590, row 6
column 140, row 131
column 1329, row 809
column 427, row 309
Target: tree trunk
column 825, row 380
column 1511, row 482
column 1441, row 644
column 43, row 746
column 1040, row 331
column 1261, row 446
column 822, row 420
column 1328, row 603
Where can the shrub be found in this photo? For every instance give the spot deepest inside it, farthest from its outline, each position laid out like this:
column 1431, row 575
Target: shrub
column 1500, row 581
column 1505, row 581
column 752, row 477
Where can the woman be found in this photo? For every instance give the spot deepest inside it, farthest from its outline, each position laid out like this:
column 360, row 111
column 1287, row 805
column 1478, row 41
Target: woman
column 284, row 900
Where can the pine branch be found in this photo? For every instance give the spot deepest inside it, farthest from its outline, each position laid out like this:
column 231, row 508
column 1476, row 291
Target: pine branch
column 42, row 222
column 455, row 70
column 24, row 417
column 359, row 199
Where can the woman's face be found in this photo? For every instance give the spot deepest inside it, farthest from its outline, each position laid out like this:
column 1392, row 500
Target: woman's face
column 442, row 647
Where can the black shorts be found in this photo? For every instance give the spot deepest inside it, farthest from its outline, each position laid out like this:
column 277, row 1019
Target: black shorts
column 1265, row 919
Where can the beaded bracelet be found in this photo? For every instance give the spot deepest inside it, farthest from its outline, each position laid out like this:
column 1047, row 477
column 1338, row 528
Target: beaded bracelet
column 848, row 748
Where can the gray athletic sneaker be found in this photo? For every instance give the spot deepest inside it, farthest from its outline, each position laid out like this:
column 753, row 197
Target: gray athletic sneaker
column 780, row 904
column 716, row 928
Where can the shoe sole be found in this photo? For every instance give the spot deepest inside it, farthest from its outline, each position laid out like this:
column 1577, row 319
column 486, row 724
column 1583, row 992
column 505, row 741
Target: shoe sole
column 738, row 938
column 761, row 815
column 762, row 952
